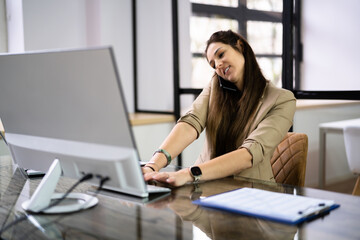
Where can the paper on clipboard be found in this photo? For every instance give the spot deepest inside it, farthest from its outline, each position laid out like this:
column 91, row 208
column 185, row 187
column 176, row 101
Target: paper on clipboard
column 281, row 207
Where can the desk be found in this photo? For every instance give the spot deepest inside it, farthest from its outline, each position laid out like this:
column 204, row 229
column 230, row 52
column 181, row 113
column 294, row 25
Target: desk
column 171, row 217
column 324, row 128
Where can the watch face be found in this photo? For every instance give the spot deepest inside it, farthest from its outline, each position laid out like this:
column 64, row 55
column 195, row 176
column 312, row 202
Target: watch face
column 195, row 171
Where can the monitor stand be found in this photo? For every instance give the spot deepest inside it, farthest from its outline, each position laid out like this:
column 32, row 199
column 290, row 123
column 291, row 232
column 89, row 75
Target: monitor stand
column 44, row 194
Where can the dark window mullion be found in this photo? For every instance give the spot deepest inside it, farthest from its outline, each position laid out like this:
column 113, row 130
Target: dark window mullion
column 263, row 16
column 269, row 55
column 241, row 17
column 229, row 12
column 236, row 13
column 198, row 55
column 195, row 91
column 298, row 46
column 214, row 10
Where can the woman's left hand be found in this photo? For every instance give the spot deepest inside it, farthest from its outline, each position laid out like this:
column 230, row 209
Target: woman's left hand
column 176, row 179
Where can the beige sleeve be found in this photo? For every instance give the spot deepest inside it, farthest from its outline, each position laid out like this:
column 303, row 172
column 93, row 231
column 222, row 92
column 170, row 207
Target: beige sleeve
column 196, row 116
column 272, row 128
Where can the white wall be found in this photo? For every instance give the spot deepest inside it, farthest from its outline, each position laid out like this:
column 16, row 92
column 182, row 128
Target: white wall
column 155, row 52
column 15, row 27
column 116, row 30
column 155, row 55
column 54, row 24
column 57, row 24
column 148, row 138
column 307, row 121
column 330, row 36
column 3, row 28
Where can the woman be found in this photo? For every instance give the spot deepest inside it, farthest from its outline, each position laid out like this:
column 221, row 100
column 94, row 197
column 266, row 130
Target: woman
column 245, row 117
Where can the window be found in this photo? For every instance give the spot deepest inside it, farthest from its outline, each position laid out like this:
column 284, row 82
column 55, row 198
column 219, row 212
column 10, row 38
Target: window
column 259, row 21
column 266, row 40
column 200, row 30
column 265, row 5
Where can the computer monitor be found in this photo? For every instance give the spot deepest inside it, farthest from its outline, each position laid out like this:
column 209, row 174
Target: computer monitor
column 68, row 105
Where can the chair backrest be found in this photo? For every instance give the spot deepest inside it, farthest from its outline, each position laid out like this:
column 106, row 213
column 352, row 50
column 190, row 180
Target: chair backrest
column 289, row 159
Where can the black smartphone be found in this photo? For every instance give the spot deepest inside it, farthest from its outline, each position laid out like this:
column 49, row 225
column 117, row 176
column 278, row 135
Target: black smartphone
column 227, row 85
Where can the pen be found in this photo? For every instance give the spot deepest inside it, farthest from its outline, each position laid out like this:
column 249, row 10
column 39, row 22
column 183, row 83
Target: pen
column 315, row 213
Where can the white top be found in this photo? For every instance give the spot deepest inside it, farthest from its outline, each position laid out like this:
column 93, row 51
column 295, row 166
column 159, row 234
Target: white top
column 340, row 125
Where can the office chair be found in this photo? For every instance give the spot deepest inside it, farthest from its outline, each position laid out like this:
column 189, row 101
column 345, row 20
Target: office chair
column 352, row 147
column 289, row 159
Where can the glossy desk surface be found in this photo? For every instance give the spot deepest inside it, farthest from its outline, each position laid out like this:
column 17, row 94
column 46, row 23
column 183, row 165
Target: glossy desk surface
column 170, row 217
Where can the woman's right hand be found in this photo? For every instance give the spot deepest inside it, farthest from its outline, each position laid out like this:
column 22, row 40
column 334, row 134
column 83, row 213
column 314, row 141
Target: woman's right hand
column 175, row 179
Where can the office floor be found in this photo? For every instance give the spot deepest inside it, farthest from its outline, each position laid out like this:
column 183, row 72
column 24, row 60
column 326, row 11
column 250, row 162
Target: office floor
column 345, row 186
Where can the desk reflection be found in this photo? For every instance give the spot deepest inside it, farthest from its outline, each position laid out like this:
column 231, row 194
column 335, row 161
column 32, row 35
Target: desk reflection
column 223, row 225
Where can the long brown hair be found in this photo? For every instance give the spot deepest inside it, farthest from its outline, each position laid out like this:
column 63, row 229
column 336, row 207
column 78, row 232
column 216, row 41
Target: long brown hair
column 229, row 112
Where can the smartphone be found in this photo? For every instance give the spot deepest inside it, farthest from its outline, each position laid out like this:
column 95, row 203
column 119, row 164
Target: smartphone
column 227, row 85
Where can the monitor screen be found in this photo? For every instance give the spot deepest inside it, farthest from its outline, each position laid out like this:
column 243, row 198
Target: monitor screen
column 68, row 105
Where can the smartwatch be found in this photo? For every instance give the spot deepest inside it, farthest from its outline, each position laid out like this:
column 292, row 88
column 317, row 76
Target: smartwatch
column 195, row 171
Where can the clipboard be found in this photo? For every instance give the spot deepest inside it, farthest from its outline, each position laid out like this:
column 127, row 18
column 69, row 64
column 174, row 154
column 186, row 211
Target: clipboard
column 279, row 207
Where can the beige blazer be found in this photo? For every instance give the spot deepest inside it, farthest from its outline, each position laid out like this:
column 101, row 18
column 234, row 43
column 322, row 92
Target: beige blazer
column 272, row 120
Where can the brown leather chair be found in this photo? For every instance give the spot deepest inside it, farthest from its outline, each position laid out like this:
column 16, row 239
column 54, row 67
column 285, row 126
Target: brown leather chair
column 289, row 159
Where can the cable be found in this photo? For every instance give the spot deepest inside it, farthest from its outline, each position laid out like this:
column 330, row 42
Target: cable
column 103, row 180
column 16, row 221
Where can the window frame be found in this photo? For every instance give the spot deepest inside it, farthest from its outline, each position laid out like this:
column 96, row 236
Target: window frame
column 242, row 14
